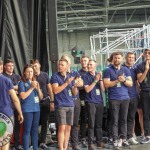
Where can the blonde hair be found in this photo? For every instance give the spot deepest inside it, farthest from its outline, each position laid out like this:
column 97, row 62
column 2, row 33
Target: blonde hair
column 65, row 56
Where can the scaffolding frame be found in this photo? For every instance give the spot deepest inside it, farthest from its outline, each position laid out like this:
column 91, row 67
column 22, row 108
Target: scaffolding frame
column 124, row 40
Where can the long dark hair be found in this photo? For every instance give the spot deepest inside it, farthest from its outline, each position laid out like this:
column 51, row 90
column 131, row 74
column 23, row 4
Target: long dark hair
column 23, row 78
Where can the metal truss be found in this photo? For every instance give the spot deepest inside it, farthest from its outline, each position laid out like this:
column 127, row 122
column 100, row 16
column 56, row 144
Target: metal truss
column 124, row 40
column 100, row 14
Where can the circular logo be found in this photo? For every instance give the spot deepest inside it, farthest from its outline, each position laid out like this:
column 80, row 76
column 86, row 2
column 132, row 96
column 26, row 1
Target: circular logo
column 6, row 129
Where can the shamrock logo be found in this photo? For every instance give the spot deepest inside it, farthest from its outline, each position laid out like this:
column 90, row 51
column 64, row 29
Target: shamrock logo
column 3, row 128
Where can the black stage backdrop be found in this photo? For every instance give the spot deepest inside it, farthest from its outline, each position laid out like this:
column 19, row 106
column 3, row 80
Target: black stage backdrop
column 23, row 32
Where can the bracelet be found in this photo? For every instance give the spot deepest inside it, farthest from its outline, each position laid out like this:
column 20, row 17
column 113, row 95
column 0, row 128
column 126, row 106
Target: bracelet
column 95, row 81
column 100, row 80
column 51, row 102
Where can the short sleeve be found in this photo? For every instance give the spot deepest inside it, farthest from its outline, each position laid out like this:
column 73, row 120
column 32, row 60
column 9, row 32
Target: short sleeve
column 54, row 79
column 47, row 78
column 21, row 87
column 85, row 80
column 107, row 73
column 9, row 84
column 139, row 69
column 128, row 73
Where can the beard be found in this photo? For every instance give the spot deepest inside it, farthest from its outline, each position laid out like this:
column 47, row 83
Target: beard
column 116, row 63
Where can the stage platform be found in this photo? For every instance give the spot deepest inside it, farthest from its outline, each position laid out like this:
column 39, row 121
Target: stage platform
column 133, row 147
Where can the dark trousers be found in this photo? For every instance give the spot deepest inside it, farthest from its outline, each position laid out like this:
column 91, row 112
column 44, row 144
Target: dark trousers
column 74, row 129
column 16, row 129
column 83, row 121
column 44, row 114
column 145, row 100
column 119, row 112
column 131, row 117
column 109, row 128
column 95, row 120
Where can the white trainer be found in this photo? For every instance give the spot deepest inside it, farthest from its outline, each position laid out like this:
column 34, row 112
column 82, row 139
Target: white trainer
column 132, row 141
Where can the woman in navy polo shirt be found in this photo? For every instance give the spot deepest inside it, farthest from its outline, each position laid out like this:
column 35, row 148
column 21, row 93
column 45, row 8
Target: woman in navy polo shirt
column 30, row 94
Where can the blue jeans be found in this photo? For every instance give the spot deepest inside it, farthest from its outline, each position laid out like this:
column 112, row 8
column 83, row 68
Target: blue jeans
column 31, row 123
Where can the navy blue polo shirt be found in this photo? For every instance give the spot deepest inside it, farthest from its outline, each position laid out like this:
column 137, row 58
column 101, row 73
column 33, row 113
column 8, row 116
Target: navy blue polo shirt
column 133, row 93
column 82, row 91
column 95, row 95
column 14, row 78
column 64, row 98
column 5, row 101
column 43, row 80
column 119, row 91
column 31, row 103
column 145, row 85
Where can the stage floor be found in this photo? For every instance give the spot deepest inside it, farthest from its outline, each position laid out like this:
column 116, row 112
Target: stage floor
column 133, row 147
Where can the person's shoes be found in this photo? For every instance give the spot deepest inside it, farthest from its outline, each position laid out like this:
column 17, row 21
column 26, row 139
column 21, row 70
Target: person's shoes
column 84, row 143
column 134, row 136
column 20, row 147
column 75, row 148
column 100, row 145
column 44, row 146
column 145, row 141
column 120, row 143
column 115, row 145
column 132, row 141
column 110, row 141
column 126, row 145
column 142, row 135
column 91, row 147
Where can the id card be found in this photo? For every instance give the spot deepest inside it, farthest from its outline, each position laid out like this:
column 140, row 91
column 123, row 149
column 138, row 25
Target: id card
column 118, row 84
column 145, row 80
column 97, row 92
column 36, row 99
column 70, row 93
column 82, row 103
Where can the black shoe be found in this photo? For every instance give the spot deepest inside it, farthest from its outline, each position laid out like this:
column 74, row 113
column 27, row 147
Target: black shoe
column 84, row 143
column 115, row 145
column 91, row 147
column 100, row 145
column 75, row 148
column 126, row 145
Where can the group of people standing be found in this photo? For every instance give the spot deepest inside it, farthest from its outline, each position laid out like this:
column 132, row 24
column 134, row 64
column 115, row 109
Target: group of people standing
column 78, row 95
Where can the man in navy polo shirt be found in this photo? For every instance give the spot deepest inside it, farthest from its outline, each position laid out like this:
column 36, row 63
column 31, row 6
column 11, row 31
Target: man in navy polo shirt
column 93, row 85
column 133, row 93
column 84, row 111
column 7, row 91
column 64, row 88
column 143, row 75
column 77, row 107
column 9, row 72
column 45, row 108
column 117, row 79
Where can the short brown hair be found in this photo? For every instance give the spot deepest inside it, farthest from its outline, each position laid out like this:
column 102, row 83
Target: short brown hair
column 85, row 57
column 110, row 59
column 147, row 49
column 33, row 61
column 8, row 61
column 92, row 60
column 117, row 53
column 130, row 53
